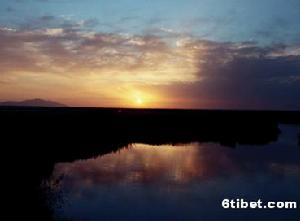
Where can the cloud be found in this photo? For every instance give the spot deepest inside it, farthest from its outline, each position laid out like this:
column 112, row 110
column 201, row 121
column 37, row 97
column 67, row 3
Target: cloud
column 196, row 72
column 243, row 75
column 69, row 50
column 251, row 76
column 49, row 21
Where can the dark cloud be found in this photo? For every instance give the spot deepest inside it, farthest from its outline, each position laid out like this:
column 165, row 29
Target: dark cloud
column 244, row 76
column 251, row 76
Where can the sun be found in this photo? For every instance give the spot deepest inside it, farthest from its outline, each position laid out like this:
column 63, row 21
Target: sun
column 139, row 101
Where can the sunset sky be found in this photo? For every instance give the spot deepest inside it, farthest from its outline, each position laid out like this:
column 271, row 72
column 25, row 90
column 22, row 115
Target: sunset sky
column 152, row 53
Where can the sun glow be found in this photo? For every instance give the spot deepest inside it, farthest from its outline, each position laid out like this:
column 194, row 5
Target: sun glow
column 140, row 98
column 139, row 101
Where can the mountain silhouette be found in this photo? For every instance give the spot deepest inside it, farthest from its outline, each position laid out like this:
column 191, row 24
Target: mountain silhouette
column 32, row 103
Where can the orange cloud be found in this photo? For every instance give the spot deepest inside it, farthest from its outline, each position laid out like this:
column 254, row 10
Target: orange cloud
column 73, row 65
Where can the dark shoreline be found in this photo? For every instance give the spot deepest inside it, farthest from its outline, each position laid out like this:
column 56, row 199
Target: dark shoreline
column 90, row 131
column 34, row 139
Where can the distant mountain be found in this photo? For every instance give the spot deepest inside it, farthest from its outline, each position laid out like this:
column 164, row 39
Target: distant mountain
column 32, row 103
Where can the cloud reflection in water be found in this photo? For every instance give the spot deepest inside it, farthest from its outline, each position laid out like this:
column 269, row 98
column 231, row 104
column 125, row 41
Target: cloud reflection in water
column 176, row 182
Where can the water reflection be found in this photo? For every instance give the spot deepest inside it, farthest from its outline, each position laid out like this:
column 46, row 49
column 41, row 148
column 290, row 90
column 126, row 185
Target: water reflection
column 183, row 182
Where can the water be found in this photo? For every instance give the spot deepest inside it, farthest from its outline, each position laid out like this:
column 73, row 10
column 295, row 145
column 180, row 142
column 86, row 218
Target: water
column 182, row 182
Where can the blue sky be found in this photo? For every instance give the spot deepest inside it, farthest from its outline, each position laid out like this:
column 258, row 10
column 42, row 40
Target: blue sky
column 264, row 21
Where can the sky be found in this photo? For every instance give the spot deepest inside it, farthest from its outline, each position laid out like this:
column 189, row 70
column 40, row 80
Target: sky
column 206, row 54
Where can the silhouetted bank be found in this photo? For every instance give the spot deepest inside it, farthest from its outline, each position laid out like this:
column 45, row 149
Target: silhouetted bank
column 34, row 139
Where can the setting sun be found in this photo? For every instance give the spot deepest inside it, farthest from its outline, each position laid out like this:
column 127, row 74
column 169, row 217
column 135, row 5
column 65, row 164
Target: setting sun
column 139, row 98
column 134, row 97
column 139, row 101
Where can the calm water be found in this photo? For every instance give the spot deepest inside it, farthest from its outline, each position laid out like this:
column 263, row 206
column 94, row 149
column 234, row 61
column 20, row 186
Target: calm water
column 182, row 182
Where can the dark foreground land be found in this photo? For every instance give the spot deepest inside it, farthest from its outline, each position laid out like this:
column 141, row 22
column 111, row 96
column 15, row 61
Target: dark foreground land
column 34, row 139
